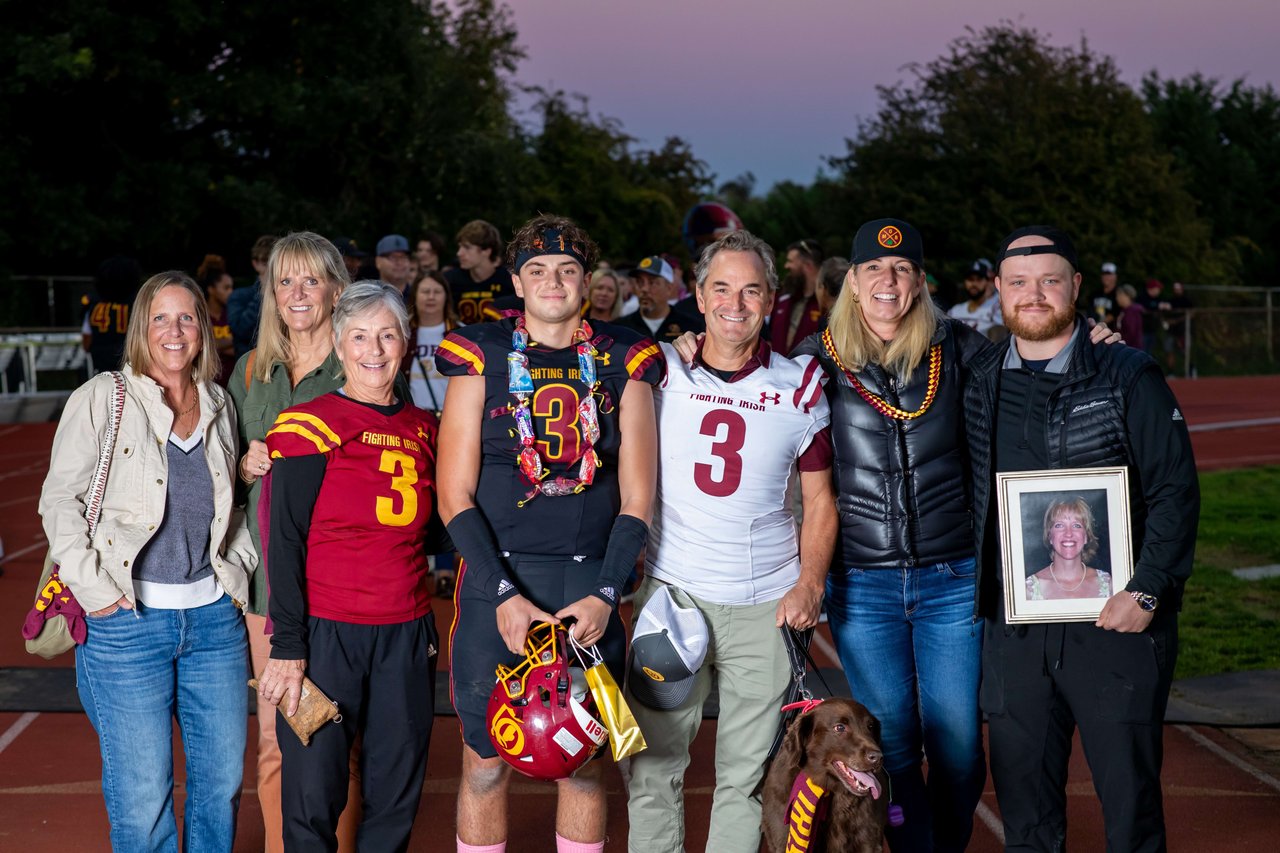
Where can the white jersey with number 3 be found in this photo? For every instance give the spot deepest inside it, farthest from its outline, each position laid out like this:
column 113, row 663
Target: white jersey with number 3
column 722, row 527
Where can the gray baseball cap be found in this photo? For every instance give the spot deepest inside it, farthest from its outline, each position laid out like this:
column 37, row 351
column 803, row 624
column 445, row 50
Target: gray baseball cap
column 668, row 648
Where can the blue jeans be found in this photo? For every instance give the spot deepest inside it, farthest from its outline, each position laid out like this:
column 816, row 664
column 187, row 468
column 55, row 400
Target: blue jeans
column 913, row 654
column 135, row 673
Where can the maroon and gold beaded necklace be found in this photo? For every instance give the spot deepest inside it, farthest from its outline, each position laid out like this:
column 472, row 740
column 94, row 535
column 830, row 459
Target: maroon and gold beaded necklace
column 879, row 403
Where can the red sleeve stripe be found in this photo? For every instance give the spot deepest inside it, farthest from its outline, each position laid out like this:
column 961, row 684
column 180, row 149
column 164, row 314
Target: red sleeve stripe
column 810, row 387
column 463, row 353
column 640, row 356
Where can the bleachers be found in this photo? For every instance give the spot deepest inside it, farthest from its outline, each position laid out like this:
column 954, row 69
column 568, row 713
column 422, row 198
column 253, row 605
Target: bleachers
column 24, row 356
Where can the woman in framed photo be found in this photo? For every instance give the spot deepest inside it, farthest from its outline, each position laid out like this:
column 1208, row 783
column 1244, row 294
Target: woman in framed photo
column 1069, row 536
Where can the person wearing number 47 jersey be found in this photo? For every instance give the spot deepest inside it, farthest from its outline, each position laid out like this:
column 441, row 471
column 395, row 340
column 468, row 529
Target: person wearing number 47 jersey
column 546, row 482
column 731, row 428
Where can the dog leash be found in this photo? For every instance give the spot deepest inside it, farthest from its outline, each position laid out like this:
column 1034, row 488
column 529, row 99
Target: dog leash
column 801, row 701
column 798, row 698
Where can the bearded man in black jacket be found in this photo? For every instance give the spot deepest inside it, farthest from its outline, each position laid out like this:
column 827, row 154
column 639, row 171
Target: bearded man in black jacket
column 1049, row 399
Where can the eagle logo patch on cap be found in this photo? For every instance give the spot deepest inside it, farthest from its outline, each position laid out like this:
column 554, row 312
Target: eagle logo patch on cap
column 656, row 676
column 889, row 237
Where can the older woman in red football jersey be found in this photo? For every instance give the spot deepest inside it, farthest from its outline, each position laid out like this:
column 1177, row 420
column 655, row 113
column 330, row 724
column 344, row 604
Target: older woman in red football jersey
column 351, row 491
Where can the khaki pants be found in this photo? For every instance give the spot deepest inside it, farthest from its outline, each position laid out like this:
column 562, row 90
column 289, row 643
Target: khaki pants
column 753, row 673
column 269, row 759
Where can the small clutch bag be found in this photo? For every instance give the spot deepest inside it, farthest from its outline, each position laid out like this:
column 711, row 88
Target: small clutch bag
column 314, row 710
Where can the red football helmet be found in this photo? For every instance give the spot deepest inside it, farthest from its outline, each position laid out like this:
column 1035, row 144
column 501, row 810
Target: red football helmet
column 707, row 222
column 541, row 715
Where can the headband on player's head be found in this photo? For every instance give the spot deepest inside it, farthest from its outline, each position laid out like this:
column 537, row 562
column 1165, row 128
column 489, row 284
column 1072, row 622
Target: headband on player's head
column 551, row 242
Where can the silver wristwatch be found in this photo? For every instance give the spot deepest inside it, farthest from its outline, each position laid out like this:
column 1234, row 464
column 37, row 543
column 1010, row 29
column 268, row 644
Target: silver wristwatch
column 1146, row 601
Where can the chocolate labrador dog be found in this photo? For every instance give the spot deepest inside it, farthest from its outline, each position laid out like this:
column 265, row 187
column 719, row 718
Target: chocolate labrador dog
column 827, row 788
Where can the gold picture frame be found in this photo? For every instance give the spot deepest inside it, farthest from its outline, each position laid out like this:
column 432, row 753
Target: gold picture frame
column 1065, row 542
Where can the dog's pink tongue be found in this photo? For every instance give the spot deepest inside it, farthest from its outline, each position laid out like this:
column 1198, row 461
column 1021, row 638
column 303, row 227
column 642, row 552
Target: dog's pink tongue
column 869, row 780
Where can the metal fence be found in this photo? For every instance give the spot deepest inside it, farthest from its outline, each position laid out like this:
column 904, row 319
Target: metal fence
column 1230, row 331
column 25, row 354
column 46, row 301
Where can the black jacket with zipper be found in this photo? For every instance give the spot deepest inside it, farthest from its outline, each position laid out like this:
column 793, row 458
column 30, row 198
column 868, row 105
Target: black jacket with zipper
column 1111, row 406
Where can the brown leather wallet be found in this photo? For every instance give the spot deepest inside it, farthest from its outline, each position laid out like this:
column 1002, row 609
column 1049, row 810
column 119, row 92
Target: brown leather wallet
column 314, row 710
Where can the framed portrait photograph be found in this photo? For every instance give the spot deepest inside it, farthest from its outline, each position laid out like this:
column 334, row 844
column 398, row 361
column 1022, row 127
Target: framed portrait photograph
column 1065, row 542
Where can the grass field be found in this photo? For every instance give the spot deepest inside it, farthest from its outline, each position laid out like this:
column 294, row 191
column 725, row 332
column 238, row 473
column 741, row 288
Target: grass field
column 1228, row 624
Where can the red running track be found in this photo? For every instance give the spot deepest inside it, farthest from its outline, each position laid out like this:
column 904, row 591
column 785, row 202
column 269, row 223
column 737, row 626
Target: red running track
column 1218, row 794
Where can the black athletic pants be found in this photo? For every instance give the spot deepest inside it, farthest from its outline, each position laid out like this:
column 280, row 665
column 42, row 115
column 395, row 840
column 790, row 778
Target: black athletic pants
column 383, row 679
column 1039, row 682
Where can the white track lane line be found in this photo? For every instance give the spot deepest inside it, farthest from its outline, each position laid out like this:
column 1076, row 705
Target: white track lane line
column 1213, row 427
column 1229, row 757
column 13, row 555
column 18, row 727
column 990, row 821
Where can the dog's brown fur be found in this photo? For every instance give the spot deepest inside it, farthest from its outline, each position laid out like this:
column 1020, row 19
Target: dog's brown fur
column 838, row 729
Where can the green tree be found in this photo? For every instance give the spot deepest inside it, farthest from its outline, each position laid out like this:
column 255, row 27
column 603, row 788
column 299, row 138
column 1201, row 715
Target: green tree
column 166, row 131
column 1226, row 142
column 631, row 201
column 171, row 129
column 1007, row 129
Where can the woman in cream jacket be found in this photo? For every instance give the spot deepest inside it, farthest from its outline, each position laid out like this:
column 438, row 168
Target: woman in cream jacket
column 163, row 580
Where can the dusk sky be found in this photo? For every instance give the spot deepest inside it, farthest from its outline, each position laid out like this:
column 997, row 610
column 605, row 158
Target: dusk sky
column 773, row 86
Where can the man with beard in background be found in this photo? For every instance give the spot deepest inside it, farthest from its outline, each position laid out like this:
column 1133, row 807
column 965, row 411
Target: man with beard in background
column 797, row 313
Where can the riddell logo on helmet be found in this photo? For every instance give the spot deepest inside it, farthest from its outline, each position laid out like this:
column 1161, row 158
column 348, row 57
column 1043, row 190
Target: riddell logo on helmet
column 506, row 732
column 656, row 676
column 889, row 237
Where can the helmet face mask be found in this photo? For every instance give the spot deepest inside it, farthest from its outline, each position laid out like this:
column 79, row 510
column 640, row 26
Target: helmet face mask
column 541, row 717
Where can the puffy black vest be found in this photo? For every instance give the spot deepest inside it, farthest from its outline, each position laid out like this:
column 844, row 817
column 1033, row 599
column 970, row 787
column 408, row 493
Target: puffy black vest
column 902, row 485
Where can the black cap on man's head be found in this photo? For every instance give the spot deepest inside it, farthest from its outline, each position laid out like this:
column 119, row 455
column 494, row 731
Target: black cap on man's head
column 884, row 237
column 1059, row 244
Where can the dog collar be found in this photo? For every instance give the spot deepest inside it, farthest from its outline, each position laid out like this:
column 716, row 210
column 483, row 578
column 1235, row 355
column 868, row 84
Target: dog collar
column 806, row 812
column 805, row 705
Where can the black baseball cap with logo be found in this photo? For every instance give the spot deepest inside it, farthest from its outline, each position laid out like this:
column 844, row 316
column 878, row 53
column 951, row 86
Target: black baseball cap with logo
column 881, row 238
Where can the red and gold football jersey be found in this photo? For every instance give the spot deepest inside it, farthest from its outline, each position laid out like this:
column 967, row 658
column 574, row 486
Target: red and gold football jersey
column 365, row 557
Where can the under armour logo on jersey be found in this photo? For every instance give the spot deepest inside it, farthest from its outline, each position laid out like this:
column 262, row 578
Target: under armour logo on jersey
column 505, row 586
column 1177, row 415
column 766, row 397
column 603, row 358
column 422, row 433
column 608, row 592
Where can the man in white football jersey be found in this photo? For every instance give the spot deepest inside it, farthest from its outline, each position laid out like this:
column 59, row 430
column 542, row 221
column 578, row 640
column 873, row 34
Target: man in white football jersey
column 731, row 428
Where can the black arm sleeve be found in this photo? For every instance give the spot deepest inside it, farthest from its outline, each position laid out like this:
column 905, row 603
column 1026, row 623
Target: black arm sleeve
column 475, row 541
column 295, row 484
column 1161, row 449
column 626, row 540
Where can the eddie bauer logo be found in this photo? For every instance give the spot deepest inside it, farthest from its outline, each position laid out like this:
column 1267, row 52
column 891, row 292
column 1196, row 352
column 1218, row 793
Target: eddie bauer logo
column 1083, row 407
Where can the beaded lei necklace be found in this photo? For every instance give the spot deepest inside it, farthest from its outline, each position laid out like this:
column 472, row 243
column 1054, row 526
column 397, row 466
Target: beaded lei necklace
column 520, row 385
column 880, row 404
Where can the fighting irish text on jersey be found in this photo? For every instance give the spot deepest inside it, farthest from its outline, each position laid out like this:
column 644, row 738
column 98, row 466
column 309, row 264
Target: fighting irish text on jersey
column 722, row 526
column 366, row 537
